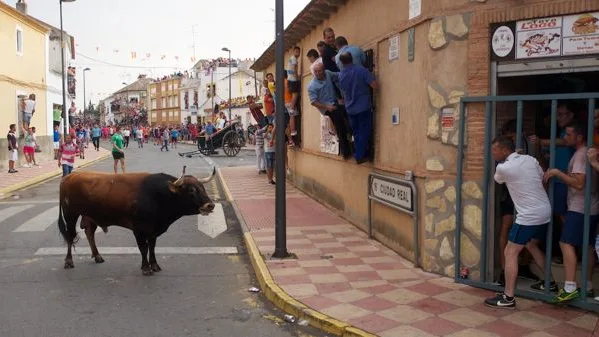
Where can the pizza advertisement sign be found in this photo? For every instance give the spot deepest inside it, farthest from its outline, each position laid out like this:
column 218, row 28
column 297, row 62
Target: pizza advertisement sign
column 581, row 34
column 538, row 38
column 576, row 34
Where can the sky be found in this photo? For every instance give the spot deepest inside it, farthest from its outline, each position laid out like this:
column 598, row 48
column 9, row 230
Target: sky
column 157, row 28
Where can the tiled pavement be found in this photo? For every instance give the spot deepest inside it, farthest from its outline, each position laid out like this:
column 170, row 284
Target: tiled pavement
column 341, row 273
column 45, row 168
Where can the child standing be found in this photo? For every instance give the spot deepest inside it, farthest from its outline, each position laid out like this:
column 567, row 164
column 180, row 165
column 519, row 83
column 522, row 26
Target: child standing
column 66, row 155
column 269, row 152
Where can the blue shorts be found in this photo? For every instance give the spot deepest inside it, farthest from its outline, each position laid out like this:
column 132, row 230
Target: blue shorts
column 573, row 230
column 560, row 198
column 270, row 159
column 27, row 117
column 521, row 235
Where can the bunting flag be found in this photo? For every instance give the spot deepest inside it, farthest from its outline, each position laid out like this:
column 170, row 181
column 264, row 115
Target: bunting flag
column 133, row 55
column 177, row 58
column 148, row 55
column 163, row 57
column 116, row 51
column 97, row 48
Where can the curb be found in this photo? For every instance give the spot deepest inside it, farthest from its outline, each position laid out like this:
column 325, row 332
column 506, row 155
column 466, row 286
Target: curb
column 277, row 295
column 4, row 193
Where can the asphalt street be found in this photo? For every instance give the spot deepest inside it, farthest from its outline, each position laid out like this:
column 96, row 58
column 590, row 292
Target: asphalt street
column 201, row 291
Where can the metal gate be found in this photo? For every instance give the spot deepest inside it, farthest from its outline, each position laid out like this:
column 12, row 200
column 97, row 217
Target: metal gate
column 488, row 168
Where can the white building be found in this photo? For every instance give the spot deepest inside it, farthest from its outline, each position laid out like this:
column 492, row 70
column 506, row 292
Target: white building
column 189, row 92
column 243, row 83
column 54, row 69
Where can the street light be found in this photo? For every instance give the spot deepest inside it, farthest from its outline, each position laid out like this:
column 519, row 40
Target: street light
column 64, row 94
column 84, row 101
column 229, row 50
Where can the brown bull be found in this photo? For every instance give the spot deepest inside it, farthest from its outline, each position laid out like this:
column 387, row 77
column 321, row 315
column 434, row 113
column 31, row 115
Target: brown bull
column 145, row 203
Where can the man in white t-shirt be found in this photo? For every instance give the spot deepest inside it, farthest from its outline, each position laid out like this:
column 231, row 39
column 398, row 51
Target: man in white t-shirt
column 523, row 177
column 573, row 230
column 28, row 109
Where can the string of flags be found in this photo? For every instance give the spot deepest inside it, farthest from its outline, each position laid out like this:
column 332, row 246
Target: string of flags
column 135, row 55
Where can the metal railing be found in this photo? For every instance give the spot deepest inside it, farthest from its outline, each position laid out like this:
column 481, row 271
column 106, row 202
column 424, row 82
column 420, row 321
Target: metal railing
column 489, row 101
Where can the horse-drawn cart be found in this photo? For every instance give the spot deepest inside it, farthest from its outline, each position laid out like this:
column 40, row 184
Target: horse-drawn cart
column 226, row 138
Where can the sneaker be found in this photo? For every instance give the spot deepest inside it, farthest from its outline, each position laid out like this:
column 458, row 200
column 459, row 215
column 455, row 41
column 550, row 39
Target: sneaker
column 541, row 286
column 501, row 301
column 564, row 296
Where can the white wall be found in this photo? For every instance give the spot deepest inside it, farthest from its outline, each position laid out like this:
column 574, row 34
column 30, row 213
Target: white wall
column 54, row 80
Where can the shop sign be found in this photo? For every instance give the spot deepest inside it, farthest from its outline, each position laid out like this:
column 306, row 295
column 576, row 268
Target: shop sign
column 538, row 38
column 502, row 41
column 395, row 193
column 581, row 34
column 546, row 37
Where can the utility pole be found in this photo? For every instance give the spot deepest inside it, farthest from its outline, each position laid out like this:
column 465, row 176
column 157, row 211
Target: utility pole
column 193, row 32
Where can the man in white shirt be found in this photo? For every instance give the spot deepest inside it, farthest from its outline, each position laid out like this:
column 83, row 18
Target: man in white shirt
column 524, row 179
column 28, row 109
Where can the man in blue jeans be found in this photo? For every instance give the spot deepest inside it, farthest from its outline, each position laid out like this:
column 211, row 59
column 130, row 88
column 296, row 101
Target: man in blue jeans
column 355, row 83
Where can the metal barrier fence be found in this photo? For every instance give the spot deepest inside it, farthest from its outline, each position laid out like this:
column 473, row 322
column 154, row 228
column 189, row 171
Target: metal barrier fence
column 489, row 101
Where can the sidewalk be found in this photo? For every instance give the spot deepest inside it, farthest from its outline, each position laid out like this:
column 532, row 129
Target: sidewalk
column 10, row 182
column 364, row 288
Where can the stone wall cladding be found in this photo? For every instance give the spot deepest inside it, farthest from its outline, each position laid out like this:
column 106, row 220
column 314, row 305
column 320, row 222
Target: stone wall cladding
column 440, row 225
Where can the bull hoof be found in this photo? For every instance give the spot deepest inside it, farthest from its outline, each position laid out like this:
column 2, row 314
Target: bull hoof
column 68, row 264
column 155, row 267
column 98, row 258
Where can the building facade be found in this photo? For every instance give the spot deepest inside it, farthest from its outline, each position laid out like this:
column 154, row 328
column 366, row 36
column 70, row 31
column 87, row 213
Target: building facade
column 427, row 56
column 189, row 100
column 164, row 99
column 23, row 71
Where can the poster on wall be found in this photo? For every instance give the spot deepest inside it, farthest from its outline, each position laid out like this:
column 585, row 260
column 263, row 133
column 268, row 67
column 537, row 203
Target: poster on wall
column 328, row 141
column 538, row 38
column 581, row 34
column 415, row 9
column 394, row 47
column 502, row 41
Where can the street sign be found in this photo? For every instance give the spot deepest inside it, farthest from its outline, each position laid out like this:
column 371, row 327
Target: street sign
column 396, row 193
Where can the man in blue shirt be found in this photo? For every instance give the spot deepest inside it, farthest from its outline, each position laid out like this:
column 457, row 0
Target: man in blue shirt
column 355, row 82
column 96, row 133
column 322, row 96
column 356, row 52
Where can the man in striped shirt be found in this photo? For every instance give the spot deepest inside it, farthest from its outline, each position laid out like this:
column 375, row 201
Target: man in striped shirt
column 260, row 150
column 66, row 155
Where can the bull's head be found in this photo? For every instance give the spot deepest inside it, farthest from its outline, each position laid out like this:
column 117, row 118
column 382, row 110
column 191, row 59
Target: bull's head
column 192, row 194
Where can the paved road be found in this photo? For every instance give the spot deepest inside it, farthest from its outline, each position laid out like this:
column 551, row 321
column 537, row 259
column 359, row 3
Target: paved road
column 202, row 290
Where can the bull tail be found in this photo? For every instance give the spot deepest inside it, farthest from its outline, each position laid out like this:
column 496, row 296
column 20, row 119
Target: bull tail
column 67, row 230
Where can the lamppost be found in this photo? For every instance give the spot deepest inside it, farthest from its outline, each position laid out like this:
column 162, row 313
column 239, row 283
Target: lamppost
column 84, row 101
column 229, row 50
column 64, row 94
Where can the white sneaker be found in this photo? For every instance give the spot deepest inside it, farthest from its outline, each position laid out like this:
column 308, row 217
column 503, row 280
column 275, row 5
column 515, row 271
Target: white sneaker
column 27, row 165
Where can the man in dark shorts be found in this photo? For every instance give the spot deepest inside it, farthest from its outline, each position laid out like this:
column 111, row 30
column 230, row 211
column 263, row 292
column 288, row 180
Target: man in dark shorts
column 118, row 154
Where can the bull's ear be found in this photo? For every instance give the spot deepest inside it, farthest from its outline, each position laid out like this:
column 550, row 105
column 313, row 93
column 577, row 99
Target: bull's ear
column 173, row 187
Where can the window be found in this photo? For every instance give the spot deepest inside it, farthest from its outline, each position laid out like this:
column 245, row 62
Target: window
column 163, row 87
column 153, row 103
column 19, row 41
column 175, row 85
column 153, row 91
column 163, row 103
column 170, row 86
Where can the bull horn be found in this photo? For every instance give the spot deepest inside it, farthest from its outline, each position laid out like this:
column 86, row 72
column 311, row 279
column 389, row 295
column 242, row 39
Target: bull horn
column 210, row 177
column 179, row 181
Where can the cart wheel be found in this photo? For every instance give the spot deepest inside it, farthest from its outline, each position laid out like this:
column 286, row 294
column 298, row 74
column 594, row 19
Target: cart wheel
column 203, row 146
column 231, row 145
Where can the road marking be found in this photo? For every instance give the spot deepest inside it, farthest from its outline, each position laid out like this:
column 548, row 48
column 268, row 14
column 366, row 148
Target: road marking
column 40, row 222
column 135, row 251
column 214, row 224
column 10, row 211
